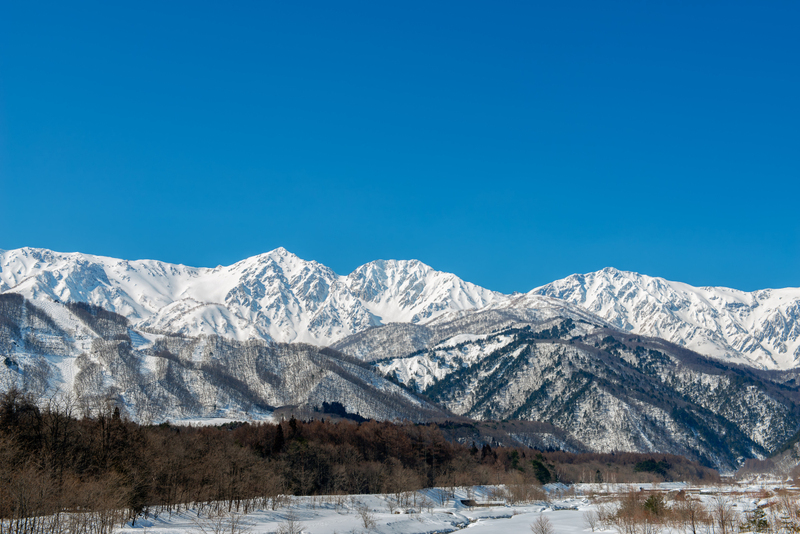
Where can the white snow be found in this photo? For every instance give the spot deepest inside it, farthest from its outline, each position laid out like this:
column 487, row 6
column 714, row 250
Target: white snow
column 431, row 366
column 216, row 421
column 343, row 514
column 278, row 296
column 272, row 296
column 760, row 328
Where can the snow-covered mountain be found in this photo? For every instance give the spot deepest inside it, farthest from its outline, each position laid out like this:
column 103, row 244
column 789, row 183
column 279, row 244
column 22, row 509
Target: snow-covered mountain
column 529, row 357
column 608, row 389
column 397, row 340
column 411, row 292
column 277, row 296
column 760, row 328
column 95, row 358
column 274, row 296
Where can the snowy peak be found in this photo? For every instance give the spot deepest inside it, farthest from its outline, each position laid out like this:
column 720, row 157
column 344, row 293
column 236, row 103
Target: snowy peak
column 761, row 327
column 278, row 296
column 272, row 296
column 410, row 291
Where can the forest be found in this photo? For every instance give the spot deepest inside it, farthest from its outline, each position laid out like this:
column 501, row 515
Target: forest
column 52, row 462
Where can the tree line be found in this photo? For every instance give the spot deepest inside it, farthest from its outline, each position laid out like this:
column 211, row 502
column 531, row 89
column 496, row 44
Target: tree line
column 52, row 462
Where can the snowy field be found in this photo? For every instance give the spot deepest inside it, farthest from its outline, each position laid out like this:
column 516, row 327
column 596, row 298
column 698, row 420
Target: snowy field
column 766, row 507
column 437, row 511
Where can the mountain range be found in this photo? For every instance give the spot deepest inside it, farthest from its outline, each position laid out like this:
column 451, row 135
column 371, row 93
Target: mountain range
column 604, row 361
column 609, row 390
column 279, row 297
column 274, row 296
column 759, row 328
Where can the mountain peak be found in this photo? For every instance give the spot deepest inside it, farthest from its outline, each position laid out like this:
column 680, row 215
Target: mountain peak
column 279, row 296
column 611, row 270
column 273, row 296
column 273, row 254
column 715, row 321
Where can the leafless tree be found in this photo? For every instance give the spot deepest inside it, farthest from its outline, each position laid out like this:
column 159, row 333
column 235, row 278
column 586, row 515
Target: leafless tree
column 291, row 524
column 542, row 525
column 591, row 519
column 367, row 516
column 691, row 516
column 723, row 517
column 222, row 523
column 426, row 503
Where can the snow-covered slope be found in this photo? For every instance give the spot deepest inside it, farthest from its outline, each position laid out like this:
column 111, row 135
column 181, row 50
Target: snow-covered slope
column 412, row 292
column 274, row 296
column 605, row 389
column 93, row 357
column 608, row 389
column 760, row 328
column 400, row 339
column 277, row 296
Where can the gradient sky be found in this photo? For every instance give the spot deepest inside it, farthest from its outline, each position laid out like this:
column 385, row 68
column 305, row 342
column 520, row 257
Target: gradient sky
column 512, row 143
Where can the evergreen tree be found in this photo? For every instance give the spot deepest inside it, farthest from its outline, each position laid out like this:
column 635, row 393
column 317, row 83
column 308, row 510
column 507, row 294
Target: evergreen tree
column 277, row 445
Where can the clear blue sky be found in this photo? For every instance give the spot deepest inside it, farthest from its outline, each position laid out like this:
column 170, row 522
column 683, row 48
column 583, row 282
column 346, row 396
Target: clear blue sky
column 511, row 143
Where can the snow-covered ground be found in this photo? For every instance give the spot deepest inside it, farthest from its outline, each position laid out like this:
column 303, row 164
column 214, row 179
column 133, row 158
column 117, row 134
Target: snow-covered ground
column 435, row 511
column 438, row 511
column 568, row 510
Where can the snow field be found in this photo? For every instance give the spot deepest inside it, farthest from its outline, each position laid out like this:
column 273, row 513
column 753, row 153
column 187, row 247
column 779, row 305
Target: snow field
column 371, row 514
column 440, row 510
column 436, row 512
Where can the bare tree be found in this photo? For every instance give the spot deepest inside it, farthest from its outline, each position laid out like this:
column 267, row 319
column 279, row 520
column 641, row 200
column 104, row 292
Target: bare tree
column 542, row 525
column 391, row 504
column 605, row 514
column 724, row 518
column 691, row 516
column 222, row 523
column 367, row 517
column 592, row 519
column 290, row 525
column 785, row 514
column 426, row 503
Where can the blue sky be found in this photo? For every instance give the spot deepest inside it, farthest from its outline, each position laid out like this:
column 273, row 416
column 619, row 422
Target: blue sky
column 512, row 143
